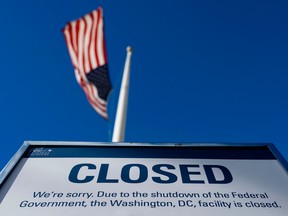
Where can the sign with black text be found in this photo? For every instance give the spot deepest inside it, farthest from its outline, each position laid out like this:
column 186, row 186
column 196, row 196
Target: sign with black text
column 116, row 180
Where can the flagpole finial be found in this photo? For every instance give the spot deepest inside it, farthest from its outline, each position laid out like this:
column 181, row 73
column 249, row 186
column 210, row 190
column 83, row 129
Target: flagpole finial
column 129, row 49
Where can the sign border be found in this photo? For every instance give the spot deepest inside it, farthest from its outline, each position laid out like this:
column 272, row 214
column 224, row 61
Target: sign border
column 27, row 144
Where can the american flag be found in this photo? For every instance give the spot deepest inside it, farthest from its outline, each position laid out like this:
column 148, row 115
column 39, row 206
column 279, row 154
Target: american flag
column 86, row 46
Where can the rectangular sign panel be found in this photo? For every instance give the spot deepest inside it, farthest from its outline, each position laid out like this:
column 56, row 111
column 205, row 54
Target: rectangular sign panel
column 111, row 180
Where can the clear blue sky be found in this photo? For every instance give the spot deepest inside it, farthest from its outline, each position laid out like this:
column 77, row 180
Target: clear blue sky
column 202, row 71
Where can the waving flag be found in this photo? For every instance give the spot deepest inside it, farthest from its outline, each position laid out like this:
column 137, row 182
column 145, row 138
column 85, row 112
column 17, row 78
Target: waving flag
column 86, row 46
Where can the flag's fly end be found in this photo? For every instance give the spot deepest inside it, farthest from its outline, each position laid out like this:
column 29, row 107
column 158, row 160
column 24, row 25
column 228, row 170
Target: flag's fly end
column 86, row 46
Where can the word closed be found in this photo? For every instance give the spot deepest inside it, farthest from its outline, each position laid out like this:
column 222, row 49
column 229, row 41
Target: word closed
column 159, row 173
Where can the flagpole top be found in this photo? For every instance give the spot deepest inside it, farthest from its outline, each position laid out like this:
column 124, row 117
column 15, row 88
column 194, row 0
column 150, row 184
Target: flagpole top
column 129, row 49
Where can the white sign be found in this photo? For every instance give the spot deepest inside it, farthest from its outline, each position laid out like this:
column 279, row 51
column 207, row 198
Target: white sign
column 145, row 180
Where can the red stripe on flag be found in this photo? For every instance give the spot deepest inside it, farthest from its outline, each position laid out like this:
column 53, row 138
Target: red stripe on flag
column 90, row 42
column 96, row 36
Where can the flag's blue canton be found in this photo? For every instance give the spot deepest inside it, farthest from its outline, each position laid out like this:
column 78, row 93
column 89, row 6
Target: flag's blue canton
column 100, row 78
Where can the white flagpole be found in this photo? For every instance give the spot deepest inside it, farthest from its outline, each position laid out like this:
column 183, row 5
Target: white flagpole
column 120, row 119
